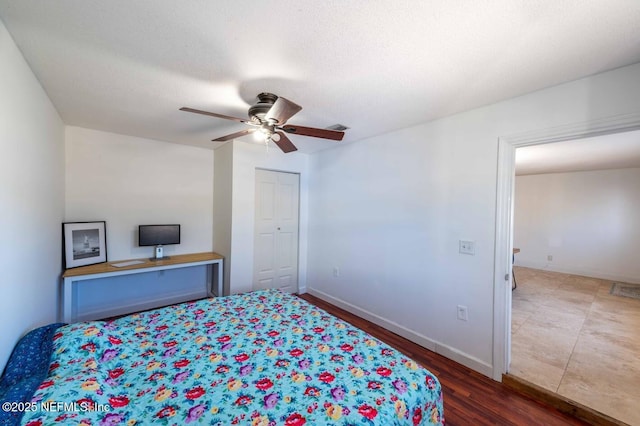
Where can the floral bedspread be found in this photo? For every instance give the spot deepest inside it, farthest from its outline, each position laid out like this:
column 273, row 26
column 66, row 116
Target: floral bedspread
column 261, row 358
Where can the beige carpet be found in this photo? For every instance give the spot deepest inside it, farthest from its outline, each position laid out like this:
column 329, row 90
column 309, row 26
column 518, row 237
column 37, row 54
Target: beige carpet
column 569, row 335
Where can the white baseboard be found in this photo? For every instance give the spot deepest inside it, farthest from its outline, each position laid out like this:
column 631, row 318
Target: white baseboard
column 424, row 341
column 99, row 313
column 570, row 269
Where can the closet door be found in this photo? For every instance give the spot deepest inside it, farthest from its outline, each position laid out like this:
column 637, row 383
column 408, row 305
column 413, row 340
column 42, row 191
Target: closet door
column 275, row 263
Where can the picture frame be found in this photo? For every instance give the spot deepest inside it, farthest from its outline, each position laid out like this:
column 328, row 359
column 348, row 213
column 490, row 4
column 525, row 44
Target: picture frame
column 85, row 243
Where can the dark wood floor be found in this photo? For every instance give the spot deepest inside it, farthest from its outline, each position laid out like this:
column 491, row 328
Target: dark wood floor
column 469, row 397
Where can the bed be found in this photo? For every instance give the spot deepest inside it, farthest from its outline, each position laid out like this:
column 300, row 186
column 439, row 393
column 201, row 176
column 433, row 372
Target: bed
column 260, row 358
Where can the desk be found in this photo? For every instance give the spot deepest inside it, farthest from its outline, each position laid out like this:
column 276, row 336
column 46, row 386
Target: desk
column 73, row 277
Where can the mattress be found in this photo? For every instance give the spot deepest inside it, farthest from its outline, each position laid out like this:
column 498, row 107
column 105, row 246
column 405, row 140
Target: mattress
column 261, row 358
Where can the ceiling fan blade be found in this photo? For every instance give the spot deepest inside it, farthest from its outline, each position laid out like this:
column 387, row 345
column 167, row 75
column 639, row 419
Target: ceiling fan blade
column 284, row 143
column 282, row 110
column 213, row 114
column 313, row 132
column 234, row 135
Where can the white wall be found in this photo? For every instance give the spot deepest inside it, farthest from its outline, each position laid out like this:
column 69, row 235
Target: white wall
column 588, row 221
column 389, row 212
column 246, row 158
column 222, row 212
column 31, row 199
column 129, row 181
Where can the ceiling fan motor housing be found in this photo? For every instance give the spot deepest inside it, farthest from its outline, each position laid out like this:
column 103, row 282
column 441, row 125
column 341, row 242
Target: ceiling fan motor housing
column 262, row 107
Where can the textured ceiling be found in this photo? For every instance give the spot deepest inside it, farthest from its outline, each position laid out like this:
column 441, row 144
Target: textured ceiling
column 374, row 66
column 615, row 151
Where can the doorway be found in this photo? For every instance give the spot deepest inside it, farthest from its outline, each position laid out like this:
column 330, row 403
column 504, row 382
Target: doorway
column 574, row 220
column 275, row 263
column 504, row 216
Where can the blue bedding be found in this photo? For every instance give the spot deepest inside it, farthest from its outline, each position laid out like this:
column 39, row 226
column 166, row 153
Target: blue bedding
column 262, row 358
column 27, row 367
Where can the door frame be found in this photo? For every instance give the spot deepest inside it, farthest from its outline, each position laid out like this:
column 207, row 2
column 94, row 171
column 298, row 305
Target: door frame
column 299, row 220
column 504, row 215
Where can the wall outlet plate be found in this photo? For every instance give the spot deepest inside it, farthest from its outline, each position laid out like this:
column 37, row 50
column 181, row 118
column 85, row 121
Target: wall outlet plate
column 467, row 247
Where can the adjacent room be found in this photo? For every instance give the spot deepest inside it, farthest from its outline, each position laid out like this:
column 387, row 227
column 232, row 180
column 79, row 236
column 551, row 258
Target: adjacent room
column 299, row 212
column 576, row 305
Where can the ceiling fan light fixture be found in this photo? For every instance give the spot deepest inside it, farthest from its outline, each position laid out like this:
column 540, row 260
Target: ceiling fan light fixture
column 268, row 117
column 264, row 133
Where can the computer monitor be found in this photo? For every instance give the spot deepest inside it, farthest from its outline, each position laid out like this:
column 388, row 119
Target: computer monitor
column 158, row 235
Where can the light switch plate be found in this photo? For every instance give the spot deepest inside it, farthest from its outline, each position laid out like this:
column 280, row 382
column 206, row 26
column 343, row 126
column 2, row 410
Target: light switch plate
column 463, row 313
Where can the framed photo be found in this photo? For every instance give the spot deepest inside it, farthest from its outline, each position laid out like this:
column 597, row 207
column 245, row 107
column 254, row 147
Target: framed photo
column 85, row 243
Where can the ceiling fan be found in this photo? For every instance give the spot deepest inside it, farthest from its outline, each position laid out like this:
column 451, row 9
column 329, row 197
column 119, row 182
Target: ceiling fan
column 269, row 116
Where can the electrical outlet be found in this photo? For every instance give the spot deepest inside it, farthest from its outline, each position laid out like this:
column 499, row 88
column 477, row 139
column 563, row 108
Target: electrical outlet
column 336, row 271
column 467, row 247
column 549, row 257
column 463, row 314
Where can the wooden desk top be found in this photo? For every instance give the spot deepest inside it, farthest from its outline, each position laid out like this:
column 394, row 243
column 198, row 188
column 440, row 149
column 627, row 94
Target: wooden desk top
column 101, row 268
column 516, row 250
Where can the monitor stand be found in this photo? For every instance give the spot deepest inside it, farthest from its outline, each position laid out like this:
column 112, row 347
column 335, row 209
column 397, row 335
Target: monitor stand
column 159, row 254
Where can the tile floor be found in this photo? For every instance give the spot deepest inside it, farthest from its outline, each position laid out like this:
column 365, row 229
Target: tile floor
column 570, row 336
